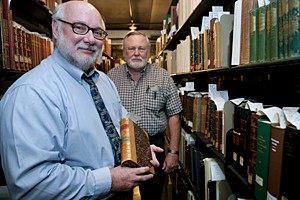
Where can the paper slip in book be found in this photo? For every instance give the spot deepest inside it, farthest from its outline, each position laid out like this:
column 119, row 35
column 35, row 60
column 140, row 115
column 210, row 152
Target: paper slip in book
column 135, row 146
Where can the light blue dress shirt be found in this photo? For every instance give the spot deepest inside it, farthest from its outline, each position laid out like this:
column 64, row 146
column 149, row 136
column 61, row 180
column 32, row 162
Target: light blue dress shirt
column 52, row 142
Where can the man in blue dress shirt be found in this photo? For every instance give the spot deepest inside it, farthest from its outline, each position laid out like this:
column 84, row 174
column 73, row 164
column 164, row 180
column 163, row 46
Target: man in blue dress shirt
column 52, row 142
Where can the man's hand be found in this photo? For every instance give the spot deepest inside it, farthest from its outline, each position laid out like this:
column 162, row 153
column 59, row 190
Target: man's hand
column 171, row 163
column 125, row 178
column 155, row 149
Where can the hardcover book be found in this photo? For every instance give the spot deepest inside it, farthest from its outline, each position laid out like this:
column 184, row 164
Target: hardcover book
column 135, row 145
column 262, row 31
column 253, row 35
column 290, row 163
column 262, row 158
column 276, row 156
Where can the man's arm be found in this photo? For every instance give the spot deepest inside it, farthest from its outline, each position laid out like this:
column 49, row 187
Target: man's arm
column 171, row 161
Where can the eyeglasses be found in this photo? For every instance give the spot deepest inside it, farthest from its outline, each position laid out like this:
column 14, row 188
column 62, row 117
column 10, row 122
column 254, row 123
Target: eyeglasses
column 140, row 49
column 82, row 29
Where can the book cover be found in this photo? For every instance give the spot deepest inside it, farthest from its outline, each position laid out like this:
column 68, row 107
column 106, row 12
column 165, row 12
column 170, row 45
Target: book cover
column 212, row 44
column 206, row 49
column 236, row 41
column 268, row 32
column 262, row 15
column 291, row 164
column 196, row 117
column 253, row 35
column 247, row 5
column 135, row 145
column 274, row 46
column 294, row 28
column 199, row 168
column 226, row 22
column 280, row 22
column 204, row 103
column 276, row 155
column 252, row 150
column 241, row 137
column 285, row 16
column 262, row 158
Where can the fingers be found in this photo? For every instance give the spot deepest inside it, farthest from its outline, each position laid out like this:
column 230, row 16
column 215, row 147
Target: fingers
column 154, row 150
column 125, row 178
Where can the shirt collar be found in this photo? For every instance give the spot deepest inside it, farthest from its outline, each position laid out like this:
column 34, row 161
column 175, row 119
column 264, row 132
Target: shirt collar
column 142, row 72
column 74, row 71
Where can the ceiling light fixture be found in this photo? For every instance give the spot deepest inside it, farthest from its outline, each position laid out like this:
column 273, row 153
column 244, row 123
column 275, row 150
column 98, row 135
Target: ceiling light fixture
column 132, row 27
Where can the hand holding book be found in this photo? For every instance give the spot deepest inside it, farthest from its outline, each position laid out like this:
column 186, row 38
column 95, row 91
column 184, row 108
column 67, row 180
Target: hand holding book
column 136, row 149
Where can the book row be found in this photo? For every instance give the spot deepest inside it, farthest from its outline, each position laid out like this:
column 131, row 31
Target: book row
column 21, row 49
column 259, row 141
column 258, row 31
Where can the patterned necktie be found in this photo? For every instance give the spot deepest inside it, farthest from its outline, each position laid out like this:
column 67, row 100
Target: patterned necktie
column 105, row 119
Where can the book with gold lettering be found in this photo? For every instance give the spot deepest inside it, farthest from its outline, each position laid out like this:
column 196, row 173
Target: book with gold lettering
column 135, row 145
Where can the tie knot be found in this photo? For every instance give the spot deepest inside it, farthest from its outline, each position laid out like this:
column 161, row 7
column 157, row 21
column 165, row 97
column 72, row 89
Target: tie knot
column 88, row 79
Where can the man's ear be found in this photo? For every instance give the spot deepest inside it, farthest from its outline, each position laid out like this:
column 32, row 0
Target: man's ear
column 54, row 29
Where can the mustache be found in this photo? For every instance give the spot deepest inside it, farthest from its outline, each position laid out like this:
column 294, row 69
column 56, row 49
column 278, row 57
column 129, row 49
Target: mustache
column 88, row 47
column 136, row 57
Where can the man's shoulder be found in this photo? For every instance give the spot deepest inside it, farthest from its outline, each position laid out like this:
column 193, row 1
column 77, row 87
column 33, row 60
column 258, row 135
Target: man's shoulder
column 158, row 70
column 116, row 69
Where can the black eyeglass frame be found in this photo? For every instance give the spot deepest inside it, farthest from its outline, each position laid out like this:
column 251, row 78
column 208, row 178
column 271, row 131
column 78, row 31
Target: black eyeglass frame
column 103, row 33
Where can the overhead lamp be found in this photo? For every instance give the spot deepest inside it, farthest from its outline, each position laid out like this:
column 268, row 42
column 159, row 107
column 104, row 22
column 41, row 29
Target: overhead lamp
column 132, row 27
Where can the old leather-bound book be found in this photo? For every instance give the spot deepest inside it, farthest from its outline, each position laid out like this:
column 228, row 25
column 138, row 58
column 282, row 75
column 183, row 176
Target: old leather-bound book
column 135, row 146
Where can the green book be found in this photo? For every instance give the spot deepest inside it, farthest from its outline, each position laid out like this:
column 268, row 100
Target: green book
column 274, row 30
column 268, row 32
column 294, row 28
column 262, row 31
column 284, row 8
column 280, row 30
column 262, row 158
column 253, row 35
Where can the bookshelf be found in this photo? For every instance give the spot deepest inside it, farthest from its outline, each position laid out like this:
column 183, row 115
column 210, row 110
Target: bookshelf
column 35, row 18
column 275, row 82
column 193, row 21
column 32, row 15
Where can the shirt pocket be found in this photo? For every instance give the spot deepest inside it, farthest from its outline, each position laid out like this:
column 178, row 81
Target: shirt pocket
column 154, row 101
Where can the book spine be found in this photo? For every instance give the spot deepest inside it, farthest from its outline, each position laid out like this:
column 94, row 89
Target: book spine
column 262, row 158
column 290, row 166
column 294, row 28
column 252, row 150
column 268, row 32
column 127, row 141
column 274, row 46
column 253, row 35
column 262, row 34
column 276, row 155
column 285, row 11
column 280, row 30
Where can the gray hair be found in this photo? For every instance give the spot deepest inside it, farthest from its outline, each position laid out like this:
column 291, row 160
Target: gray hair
column 130, row 33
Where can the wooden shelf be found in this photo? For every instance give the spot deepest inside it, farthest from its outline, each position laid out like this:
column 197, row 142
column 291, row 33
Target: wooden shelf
column 194, row 20
column 32, row 15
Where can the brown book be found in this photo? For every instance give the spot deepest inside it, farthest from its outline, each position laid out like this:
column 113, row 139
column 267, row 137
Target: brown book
column 135, row 145
column 291, row 163
column 275, row 162
column 197, row 112
column 252, row 149
column 247, row 5
column 206, row 49
column 212, row 44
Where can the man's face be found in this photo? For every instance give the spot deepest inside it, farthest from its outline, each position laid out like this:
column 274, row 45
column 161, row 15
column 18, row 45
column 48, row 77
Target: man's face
column 80, row 50
column 136, row 51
